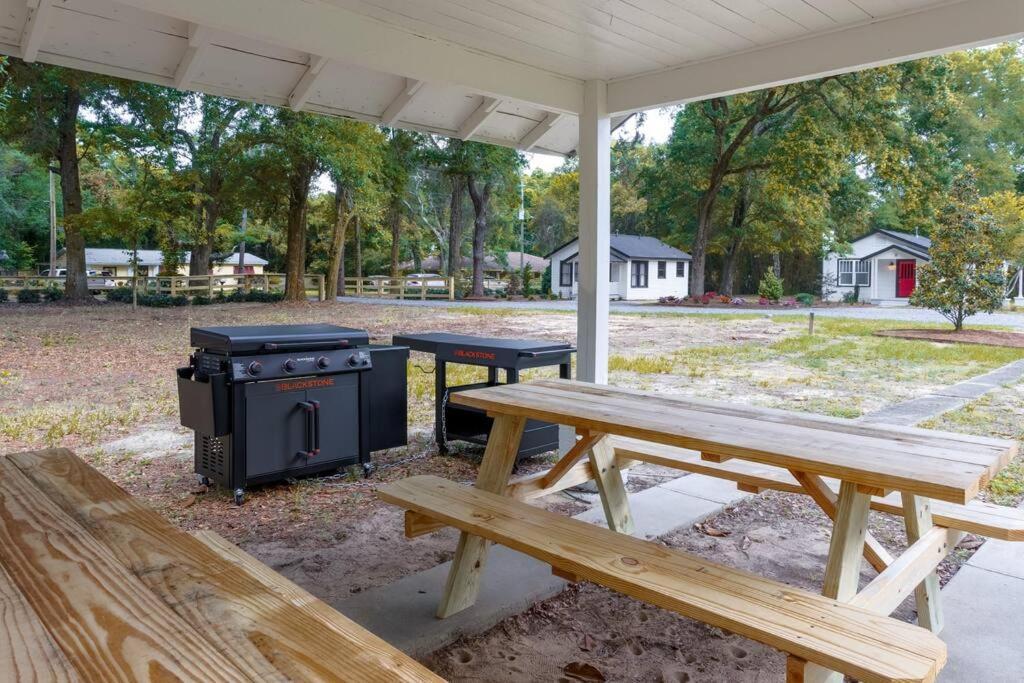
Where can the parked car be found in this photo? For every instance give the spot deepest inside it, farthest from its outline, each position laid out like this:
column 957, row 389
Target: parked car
column 95, row 279
column 432, row 280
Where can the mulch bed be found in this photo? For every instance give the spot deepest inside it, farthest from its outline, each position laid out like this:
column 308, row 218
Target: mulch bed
column 1014, row 340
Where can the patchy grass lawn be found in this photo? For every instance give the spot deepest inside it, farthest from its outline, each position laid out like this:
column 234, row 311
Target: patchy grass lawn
column 1000, row 414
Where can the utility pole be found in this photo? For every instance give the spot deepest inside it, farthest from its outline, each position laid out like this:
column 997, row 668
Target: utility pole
column 522, row 226
column 53, row 228
column 241, row 251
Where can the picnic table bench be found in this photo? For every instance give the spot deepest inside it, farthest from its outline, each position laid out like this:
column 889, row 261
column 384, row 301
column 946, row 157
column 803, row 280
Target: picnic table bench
column 95, row 586
column 846, row 467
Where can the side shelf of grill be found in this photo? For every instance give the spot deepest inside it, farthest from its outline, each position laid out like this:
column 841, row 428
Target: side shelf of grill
column 204, row 403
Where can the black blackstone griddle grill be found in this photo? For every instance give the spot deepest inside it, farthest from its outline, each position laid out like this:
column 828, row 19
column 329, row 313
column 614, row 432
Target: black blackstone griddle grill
column 271, row 402
column 458, row 422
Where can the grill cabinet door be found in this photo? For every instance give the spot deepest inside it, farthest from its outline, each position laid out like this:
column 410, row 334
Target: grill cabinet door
column 275, row 427
column 339, row 420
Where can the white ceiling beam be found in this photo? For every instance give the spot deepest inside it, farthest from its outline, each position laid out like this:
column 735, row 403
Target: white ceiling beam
column 539, row 131
column 911, row 35
column 35, row 28
column 398, row 105
column 477, row 119
column 323, row 28
column 304, row 88
column 188, row 67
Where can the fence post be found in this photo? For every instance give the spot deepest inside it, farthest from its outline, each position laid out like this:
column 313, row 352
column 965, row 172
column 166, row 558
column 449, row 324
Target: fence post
column 321, row 287
column 423, row 289
column 359, row 286
column 810, row 324
column 451, row 288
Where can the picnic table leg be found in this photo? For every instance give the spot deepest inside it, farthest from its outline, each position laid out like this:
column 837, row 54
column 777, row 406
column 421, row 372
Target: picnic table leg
column 463, row 583
column 842, row 572
column 876, row 555
column 917, row 515
column 614, row 498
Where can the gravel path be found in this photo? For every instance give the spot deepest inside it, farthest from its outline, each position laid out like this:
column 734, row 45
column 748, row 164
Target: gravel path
column 906, row 313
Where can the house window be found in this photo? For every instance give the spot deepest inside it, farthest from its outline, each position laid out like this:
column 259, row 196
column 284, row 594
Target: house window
column 854, row 272
column 613, row 272
column 662, row 267
column 565, row 274
column 576, row 271
column 638, row 275
column 680, row 269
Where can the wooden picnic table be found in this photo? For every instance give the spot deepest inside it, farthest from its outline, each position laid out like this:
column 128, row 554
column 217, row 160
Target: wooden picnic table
column 95, row 586
column 866, row 460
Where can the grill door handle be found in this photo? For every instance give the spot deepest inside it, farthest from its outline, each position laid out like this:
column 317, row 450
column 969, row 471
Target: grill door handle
column 311, row 430
column 316, row 427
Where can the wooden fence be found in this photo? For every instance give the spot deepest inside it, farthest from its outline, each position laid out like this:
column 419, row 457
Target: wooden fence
column 436, row 287
column 173, row 285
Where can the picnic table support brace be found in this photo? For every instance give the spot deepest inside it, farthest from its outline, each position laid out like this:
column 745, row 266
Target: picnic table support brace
column 608, row 477
column 463, row 584
column 917, row 514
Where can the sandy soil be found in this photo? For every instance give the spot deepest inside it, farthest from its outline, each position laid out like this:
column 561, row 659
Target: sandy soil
column 1014, row 340
column 590, row 633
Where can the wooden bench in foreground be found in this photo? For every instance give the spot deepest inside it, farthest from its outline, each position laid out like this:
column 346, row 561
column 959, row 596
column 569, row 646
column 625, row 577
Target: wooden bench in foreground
column 838, row 636
column 95, row 586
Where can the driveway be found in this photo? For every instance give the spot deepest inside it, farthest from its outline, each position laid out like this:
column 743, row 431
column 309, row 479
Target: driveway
column 905, row 313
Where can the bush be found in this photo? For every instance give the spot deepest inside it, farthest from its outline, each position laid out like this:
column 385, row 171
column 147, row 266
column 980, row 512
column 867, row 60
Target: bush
column 201, row 300
column 52, row 293
column 162, row 300
column 4, row 296
column 770, row 286
column 29, row 296
column 851, row 297
column 805, row 299
column 121, row 294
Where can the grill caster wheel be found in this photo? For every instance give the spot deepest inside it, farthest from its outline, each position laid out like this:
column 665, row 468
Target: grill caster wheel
column 368, row 469
column 203, row 479
column 239, row 496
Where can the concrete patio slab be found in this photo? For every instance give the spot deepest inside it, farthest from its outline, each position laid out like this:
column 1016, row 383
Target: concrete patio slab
column 708, row 488
column 659, row 510
column 1002, row 557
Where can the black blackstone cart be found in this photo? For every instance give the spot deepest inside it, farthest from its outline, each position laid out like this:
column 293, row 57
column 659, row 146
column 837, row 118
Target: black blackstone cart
column 271, row 402
column 455, row 422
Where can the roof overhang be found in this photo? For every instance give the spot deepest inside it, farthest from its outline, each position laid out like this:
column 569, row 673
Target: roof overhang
column 509, row 73
column 916, row 253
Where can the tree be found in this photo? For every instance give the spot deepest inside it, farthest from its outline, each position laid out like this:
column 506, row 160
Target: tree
column 41, row 116
column 964, row 276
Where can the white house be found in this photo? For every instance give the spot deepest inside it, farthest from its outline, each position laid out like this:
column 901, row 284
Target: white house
column 640, row 268
column 881, row 267
column 117, row 262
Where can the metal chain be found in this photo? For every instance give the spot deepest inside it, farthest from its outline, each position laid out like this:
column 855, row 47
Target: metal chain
column 444, row 419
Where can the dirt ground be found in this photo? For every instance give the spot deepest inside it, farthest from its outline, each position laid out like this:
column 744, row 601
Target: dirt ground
column 100, row 380
column 1013, row 340
column 590, row 633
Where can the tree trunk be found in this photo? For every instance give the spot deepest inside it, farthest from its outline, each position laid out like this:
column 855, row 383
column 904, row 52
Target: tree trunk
column 480, row 198
column 359, row 248
column 202, row 250
column 76, row 284
column 336, row 270
column 739, row 219
column 295, row 260
column 395, row 223
column 455, row 225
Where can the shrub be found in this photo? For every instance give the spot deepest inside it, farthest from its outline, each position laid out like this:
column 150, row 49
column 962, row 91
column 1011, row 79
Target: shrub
column 770, row 286
column 52, row 293
column 4, row 296
column 851, row 297
column 162, row 300
column 725, row 299
column 29, row 296
column 120, row 294
column 805, row 299
column 201, row 300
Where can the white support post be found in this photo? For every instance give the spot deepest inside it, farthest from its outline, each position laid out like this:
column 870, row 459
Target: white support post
column 874, row 279
column 595, row 222
column 35, row 27
column 304, row 88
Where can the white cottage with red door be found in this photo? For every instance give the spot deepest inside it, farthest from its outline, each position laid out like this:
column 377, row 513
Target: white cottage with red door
column 880, row 267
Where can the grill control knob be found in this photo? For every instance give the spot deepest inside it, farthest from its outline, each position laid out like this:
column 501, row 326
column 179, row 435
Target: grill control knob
column 255, row 367
column 322, row 362
column 290, row 365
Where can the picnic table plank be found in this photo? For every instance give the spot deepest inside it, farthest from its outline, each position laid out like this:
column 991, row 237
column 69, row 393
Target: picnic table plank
column 27, row 651
column 924, row 468
column 108, row 625
column 247, row 624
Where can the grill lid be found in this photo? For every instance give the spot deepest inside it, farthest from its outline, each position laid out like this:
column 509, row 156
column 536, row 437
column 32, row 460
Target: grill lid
column 269, row 338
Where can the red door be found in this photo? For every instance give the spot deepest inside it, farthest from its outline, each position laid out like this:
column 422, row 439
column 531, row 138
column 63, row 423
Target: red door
column 906, row 278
